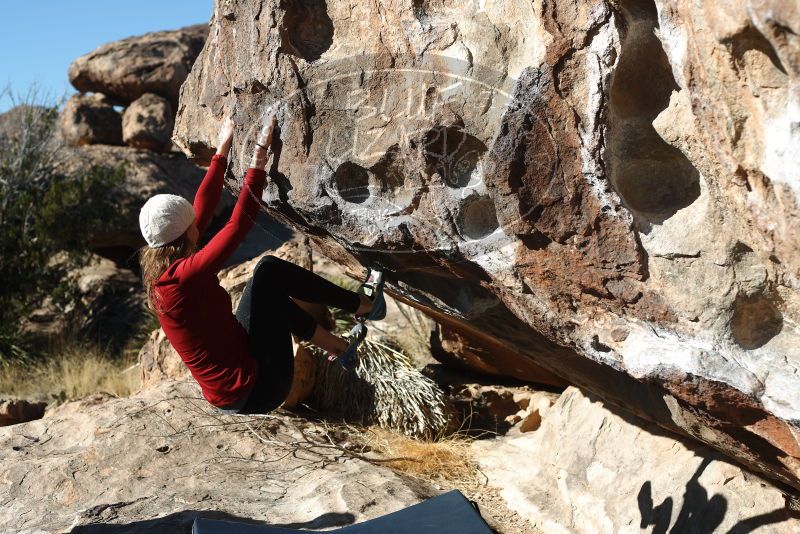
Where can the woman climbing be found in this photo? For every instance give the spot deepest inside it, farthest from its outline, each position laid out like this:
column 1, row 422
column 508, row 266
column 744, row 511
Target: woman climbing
column 244, row 363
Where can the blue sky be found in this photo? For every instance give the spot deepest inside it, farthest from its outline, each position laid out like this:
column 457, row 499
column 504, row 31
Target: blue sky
column 40, row 38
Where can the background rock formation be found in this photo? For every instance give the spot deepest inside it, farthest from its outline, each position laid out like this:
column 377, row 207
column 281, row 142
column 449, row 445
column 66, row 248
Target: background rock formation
column 91, row 120
column 606, row 191
column 141, row 76
column 146, row 173
column 148, row 122
column 125, row 70
column 110, row 304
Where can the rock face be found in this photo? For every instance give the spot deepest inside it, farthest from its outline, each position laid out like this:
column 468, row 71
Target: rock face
column 147, row 123
column 89, row 120
column 73, row 470
column 606, row 190
column 152, row 63
column 146, row 173
column 111, row 301
column 595, row 470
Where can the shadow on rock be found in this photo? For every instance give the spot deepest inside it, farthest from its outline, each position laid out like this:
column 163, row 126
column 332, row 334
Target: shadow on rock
column 699, row 514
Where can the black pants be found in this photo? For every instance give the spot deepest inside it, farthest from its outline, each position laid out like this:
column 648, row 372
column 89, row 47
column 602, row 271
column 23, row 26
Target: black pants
column 270, row 316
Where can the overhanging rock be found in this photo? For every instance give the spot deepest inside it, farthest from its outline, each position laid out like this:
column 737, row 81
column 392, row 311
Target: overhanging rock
column 604, row 191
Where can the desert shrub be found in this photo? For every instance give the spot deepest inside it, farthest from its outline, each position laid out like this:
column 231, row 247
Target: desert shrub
column 384, row 389
column 46, row 219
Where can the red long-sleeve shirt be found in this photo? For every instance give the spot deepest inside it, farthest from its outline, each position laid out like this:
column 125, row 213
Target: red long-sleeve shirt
column 195, row 311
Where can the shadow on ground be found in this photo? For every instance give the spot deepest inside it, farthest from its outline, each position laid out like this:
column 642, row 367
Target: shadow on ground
column 181, row 522
column 699, row 513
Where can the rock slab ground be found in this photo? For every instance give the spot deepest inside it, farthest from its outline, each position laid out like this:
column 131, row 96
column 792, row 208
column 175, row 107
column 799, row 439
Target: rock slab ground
column 154, row 461
column 589, row 469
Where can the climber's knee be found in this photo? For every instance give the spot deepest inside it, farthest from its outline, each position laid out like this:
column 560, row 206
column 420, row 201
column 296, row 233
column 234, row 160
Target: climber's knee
column 265, row 266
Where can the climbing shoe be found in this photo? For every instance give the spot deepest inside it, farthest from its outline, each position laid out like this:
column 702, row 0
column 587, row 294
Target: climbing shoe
column 349, row 358
column 372, row 288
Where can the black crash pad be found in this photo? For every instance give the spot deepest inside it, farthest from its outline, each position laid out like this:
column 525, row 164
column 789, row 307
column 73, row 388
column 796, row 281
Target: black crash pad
column 449, row 513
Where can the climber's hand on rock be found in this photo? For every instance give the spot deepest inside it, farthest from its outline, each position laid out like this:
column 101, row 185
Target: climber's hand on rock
column 225, row 136
column 264, row 138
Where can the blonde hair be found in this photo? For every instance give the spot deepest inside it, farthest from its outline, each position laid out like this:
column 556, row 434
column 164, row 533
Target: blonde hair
column 154, row 261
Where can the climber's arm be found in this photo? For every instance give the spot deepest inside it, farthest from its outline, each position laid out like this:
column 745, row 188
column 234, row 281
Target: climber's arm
column 210, row 190
column 213, row 256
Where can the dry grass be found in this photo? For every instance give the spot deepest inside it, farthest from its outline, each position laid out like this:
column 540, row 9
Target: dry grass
column 446, row 461
column 70, row 371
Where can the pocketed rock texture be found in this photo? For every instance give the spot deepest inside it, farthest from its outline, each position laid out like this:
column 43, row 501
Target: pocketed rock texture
column 607, row 191
column 155, row 461
column 155, row 62
column 600, row 471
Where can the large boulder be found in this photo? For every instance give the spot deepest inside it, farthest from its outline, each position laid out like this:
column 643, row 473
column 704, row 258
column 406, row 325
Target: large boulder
column 147, row 123
column 151, row 63
column 607, row 190
column 90, row 120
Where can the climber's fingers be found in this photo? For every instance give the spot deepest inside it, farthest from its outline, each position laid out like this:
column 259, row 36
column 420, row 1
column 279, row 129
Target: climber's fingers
column 225, row 136
column 226, row 131
column 268, row 126
column 264, row 139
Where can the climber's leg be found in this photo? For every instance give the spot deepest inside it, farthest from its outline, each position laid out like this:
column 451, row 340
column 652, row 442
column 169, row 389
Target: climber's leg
column 270, row 316
column 306, row 285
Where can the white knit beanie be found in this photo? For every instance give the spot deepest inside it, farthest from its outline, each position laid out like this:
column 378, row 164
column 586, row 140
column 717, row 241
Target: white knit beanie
column 164, row 218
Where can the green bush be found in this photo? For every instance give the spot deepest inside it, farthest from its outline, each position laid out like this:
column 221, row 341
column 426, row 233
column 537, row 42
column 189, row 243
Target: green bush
column 46, row 220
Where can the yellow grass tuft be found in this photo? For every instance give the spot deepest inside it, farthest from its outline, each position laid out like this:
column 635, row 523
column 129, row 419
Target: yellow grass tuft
column 448, row 460
column 70, row 371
